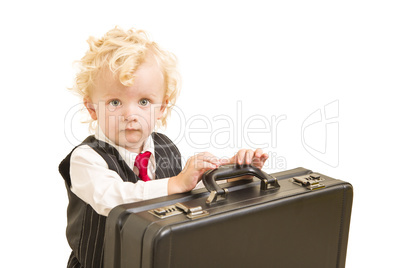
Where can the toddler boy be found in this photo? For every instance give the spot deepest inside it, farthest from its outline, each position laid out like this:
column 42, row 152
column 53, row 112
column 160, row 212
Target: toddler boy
column 128, row 85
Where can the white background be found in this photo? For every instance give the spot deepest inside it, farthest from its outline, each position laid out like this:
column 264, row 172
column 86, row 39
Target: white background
column 256, row 59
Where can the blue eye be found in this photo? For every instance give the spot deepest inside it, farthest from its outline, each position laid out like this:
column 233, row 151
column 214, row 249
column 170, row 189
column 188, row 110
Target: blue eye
column 144, row 102
column 115, row 103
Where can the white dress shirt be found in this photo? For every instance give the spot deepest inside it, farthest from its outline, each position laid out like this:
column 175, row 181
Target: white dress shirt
column 102, row 188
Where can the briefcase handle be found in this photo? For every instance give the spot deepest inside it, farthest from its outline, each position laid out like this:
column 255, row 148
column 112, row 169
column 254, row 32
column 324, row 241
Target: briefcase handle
column 229, row 171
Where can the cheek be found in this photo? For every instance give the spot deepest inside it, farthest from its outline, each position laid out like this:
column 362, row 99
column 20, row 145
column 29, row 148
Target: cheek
column 108, row 120
column 155, row 116
column 145, row 121
column 103, row 115
column 157, row 112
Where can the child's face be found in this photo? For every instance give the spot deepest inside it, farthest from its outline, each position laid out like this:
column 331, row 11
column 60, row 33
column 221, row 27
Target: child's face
column 127, row 115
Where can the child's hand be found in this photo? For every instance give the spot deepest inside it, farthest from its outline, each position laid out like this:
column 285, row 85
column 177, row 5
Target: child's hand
column 257, row 158
column 192, row 173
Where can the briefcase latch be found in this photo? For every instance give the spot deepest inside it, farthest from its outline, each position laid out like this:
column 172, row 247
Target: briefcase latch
column 310, row 181
column 165, row 212
column 192, row 212
column 177, row 209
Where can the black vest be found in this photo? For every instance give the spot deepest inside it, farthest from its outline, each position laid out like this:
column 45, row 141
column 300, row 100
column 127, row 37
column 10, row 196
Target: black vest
column 86, row 228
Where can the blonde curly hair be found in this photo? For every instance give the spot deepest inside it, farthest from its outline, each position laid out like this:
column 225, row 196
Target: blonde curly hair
column 123, row 52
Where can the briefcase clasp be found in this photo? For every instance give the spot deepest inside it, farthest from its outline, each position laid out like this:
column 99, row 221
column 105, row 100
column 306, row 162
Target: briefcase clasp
column 192, row 212
column 310, row 181
column 177, row 209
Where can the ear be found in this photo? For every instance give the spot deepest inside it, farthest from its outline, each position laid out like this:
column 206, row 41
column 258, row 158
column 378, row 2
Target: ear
column 91, row 108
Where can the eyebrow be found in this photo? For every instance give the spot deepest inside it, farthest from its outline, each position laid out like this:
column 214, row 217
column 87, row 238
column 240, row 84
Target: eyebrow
column 108, row 96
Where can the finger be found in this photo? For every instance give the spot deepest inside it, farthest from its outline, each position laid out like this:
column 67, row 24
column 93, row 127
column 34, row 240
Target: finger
column 249, row 156
column 224, row 161
column 205, row 165
column 259, row 162
column 258, row 153
column 264, row 156
column 208, row 157
column 259, row 156
column 233, row 159
column 240, row 156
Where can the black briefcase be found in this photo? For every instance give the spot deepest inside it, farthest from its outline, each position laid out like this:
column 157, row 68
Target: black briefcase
column 296, row 218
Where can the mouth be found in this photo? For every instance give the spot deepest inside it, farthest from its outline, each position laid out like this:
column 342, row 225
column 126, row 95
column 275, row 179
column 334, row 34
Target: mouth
column 132, row 127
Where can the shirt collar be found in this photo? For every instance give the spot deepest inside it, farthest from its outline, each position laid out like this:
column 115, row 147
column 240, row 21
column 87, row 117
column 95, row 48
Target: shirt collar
column 129, row 157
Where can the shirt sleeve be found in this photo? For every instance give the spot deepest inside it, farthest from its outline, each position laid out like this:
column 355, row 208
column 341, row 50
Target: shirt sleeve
column 102, row 188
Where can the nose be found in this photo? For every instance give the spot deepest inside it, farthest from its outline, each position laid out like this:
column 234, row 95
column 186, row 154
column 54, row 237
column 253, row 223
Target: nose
column 131, row 117
column 131, row 113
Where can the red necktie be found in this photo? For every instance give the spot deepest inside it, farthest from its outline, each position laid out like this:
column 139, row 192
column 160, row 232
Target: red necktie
column 141, row 162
